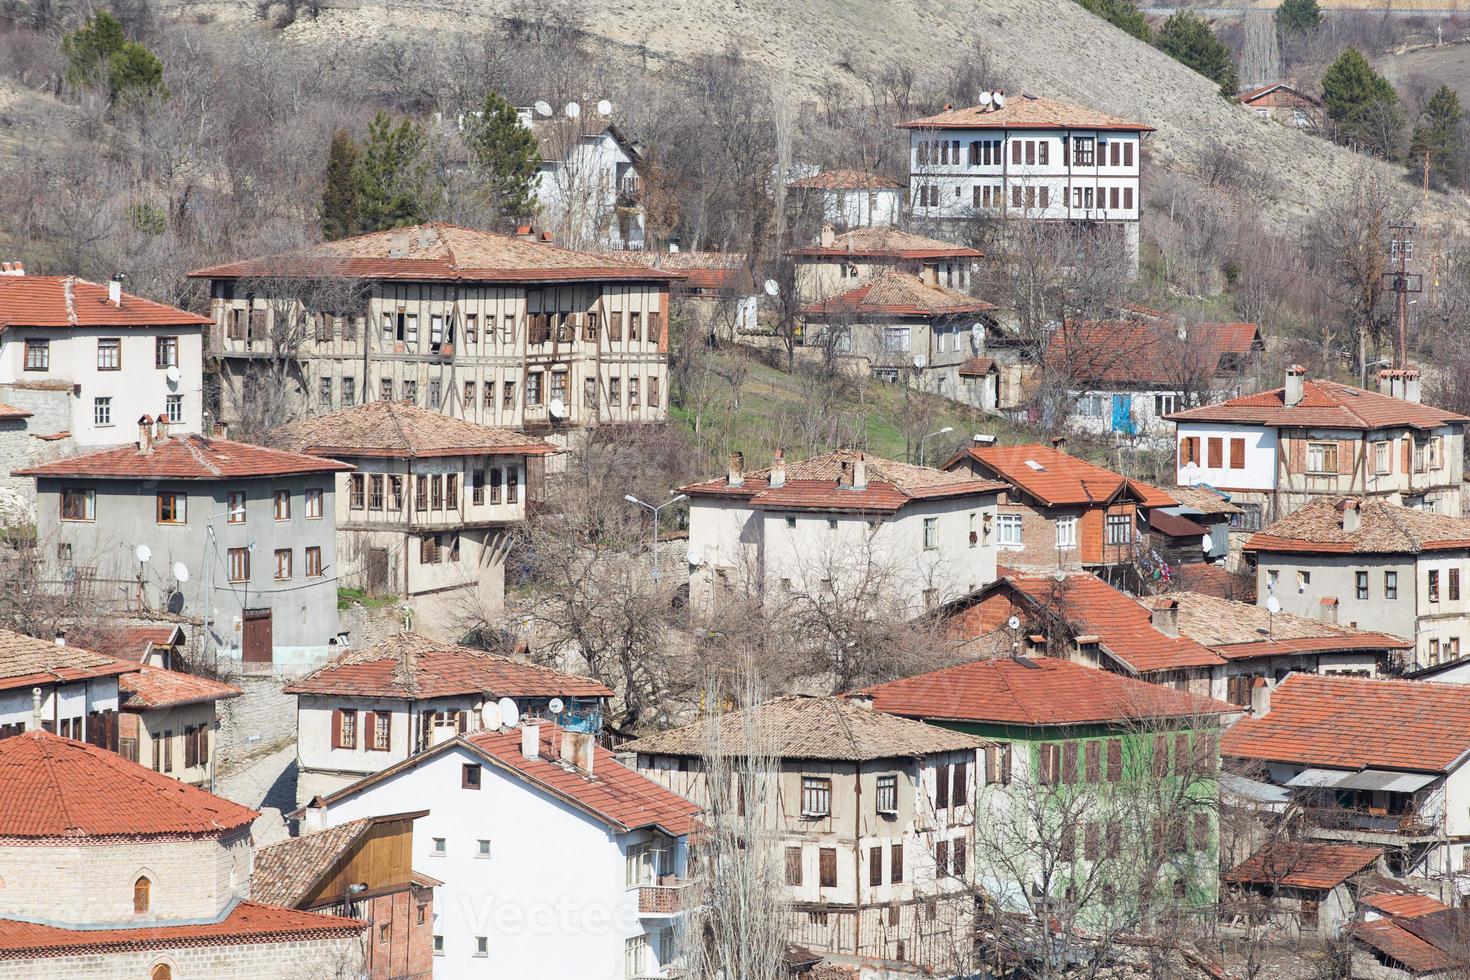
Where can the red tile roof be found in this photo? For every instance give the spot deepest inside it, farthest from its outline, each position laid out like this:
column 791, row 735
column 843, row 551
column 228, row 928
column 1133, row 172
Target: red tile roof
column 439, row 252
column 701, row 270
column 11, row 412
column 410, row 665
column 1257, row 94
column 248, row 922
column 1174, row 526
column 1383, row 529
column 1149, row 352
column 1026, row 112
column 977, row 367
column 1355, row 723
column 286, row 872
column 186, row 457
column 1402, row 905
column 845, row 180
column 1212, row 580
column 816, row 484
column 1039, row 691
column 1057, row 478
column 135, row 642
column 1300, row 864
column 1324, row 404
column 26, row 662
column 1400, row 945
column 894, row 293
column 55, row 787
column 396, row 429
column 66, row 301
column 154, row 687
column 887, row 243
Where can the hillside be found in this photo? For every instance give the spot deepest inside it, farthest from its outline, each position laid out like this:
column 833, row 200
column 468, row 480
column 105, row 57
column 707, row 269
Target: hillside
column 1046, row 46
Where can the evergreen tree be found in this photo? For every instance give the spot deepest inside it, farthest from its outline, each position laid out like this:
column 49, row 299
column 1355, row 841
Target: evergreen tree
column 339, row 197
column 1186, row 37
column 1122, row 14
column 1436, row 137
column 1298, row 17
column 98, row 55
column 507, row 157
column 392, row 175
column 1361, row 104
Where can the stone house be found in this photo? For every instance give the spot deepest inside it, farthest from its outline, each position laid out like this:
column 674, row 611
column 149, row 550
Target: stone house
column 851, row 198
column 135, row 523
column 1304, row 885
column 369, row 709
column 425, row 512
column 873, row 818
column 1355, row 561
column 504, row 330
column 112, row 870
column 169, row 722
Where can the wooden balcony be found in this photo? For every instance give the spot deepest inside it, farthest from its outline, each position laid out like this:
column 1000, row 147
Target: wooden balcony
column 664, row 900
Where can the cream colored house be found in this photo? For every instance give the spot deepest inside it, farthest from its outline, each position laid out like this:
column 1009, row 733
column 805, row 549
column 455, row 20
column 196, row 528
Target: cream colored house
column 169, row 722
column 837, row 263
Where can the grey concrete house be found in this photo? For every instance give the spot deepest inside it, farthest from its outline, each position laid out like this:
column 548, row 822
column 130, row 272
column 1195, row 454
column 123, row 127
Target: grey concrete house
column 238, row 537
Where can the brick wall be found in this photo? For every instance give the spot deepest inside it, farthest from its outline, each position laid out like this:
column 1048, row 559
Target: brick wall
column 322, row 959
column 407, row 951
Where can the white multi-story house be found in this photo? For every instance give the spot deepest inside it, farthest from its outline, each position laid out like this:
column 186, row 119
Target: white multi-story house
column 59, row 688
column 371, row 708
column 588, row 186
column 1028, row 157
column 852, row 198
column 553, row 857
column 842, row 523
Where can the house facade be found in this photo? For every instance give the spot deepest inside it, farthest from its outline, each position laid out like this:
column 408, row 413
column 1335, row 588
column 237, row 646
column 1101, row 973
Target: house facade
column 589, row 187
column 1284, row 104
column 169, row 722
column 840, row 522
column 371, row 708
column 426, row 510
column 852, row 198
column 603, row 900
column 59, row 688
column 1277, row 450
column 1029, row 157
column 136, row 522
column 502, row 330
column 872, row 814
column 837, row 263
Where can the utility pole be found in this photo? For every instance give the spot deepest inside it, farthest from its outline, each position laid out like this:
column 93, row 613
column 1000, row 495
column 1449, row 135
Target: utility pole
column 1401, row 247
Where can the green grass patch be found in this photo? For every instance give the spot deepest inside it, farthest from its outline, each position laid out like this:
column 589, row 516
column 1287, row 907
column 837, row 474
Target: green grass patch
column 347, row 598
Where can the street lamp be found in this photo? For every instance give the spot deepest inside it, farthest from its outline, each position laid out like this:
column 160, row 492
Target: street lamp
column 947, row 428
column 654, row 510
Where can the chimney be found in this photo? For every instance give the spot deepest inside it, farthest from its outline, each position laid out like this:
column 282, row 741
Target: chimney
column 778, row 469
column 828, row 236
column 1260, row 697
column 546, row 236
column 145, row 433
column 1327, row 609
column 577, row 750
column 1411, row 385
column 1389, row 381
column 736, row 476
column 861, row 700
column 313, row 817
column 1059, row 443
column 161, row 422
column 1296, row 376
column 860, row 473
column 12, row 269
column 35, row 708
column 61, row 638
column 929, row 274
column 1351, row 516
column 114, row 289
column 531, row 741
column 1165, row 616
column 525, row 232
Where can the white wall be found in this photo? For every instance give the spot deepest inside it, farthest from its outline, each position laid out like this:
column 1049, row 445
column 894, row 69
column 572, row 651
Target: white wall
column 75, row 700
column 1259, row 472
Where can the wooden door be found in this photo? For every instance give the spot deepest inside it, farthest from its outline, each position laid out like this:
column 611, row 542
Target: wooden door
column 377, row 570
column 256, row 642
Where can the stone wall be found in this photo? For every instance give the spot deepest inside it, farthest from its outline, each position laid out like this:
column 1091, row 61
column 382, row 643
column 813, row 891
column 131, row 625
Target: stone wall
column 321, row 959
column 28, row 442
column 259, row 721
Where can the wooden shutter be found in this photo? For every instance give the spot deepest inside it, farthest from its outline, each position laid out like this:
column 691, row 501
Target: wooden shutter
column 1161, row 756
column 1069, row 762
column 957, row 856
column 1345, row 456
column 1181, row 753
column 1115, row 760
column 369, row 726
column 336, row 728
column 1298, row 455
column 875, row 865
column 941, row 857
column 895, row 863
column 1408, row 455
column 426, row 728
column 793, row 865
column 827, row 867
column 1092, row 842
column 1217, row 451
column 189, row 747
column 961, row 791
column 941, row 787
column 1237, row 454
column 1094, row 761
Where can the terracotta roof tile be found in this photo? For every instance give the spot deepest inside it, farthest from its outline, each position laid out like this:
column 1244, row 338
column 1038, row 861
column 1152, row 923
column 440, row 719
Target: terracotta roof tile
column 11, row 412
column 435, row 252
column 1258, row 95
column 55, row 787
column 1383, row 529
column 1025, row 112
column 1356, row 723
column 135, row 642
column 1054, row 477
column 845, row 180
column 284, row 873
column 186, row 457
column 871, row 242
column 401, row 429
column 26, row 661
column 977, row 367
column 1397, row 943
column 1202, row 499
column 1036, row 691
column 1324, row 404
column 66, row 301
column 154, row 687
column 1304, row 865
column 248, row 922
column 410, row 665
column 895, row 293
column 1149, row 352
column 701, row 269
column 1236, row 630
column 1402, row 905
column 1212, row 580
column 1174, row 526
column 798, row 727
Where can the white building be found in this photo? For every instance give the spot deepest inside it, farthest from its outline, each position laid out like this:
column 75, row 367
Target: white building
column 1028, row 157
column 852, row 198
column 588, row 187
column 62, row 689
column 838, row 523
column 555, row 859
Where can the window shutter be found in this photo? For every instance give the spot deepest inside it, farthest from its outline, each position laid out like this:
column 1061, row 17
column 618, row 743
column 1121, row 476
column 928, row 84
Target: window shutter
column 941, row 787
column 1408, row 455
column 336, row 728
column 1069, row 762
column 1345, row 456
column 369, row 727
column 1237, row 454
column 1115, row 760
column 827, row 867
column 961, row 792
column 1216, row 447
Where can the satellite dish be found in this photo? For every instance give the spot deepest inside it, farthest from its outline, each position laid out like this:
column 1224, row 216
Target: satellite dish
column 181, row 572
column 510, row 715
column 604, row 107
column 1273, row 605
column 143, row 553
column 1014, row 622
column 772, row 287
column 555, row 706
column 986, row 98
column 490, row 716
column 920, row 362
column 1000, row 99
column 694, row 555
column 543, row 108
column 573, row 110
column 173, row 374
column 558, row 408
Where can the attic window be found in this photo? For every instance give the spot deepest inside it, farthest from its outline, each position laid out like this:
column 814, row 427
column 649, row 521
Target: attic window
column 1035, row 465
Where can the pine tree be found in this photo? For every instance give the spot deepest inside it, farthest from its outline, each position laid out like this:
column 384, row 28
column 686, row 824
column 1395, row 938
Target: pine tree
column 1123, row 14
column 98, row 55
column 392, row 175
column 1298, row 17
column 339, row 197
column 1362, row 104
column 1434, row 138
column 1186, row 37
column 507, row 156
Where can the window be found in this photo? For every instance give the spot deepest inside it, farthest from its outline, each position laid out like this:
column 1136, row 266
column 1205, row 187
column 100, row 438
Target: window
column 482, row 946
column 1361, row 582
column 793, row 865
column 438, row 943
column 102, row 411
column 998, row 764
column 895, row 339
column 1381, row 457
column 816, row 796
column 1119, row 529
column 162, row 972
column 325, row 397
column 385, row 389
column 1008, row 530
column 615, row 392
column 142, row 895
column 533, row 388
column 1165, row 403
column 438, row 847
column 635, row 956
column 495, row 476
column 1454, row 584
column 482, row 848
column 314, row 504
column 895, row 863
column 1434, row 585
column 888, row 794
column 436, row 492
column 38, row 355
column 411, row 392
column 345, row 729
column 469, row 776
column 109, row 354
column 314, row 561
column 477, row 487
column 1322, row 457
column 171, row 508
column 78, row 505
column 1390, row 585
column 355, row 491
column 1303, row 579
column 941, row 857
column 633, row 400
column 239, row 560
column 1249, row 518
column 512, row 484
column 1067, row 532
column 1083, row 150
column 283, row 564
column 1215, row 449
column 469, row 395
column 283, row 505
column 931, row 533
column 436, row 392
column 1189, row 451
column 174, row 408
column 827, row 867
column 395, row 493
column 508, row 396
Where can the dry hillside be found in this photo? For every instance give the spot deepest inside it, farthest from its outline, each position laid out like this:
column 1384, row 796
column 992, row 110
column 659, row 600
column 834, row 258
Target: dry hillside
column 1046, row 46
